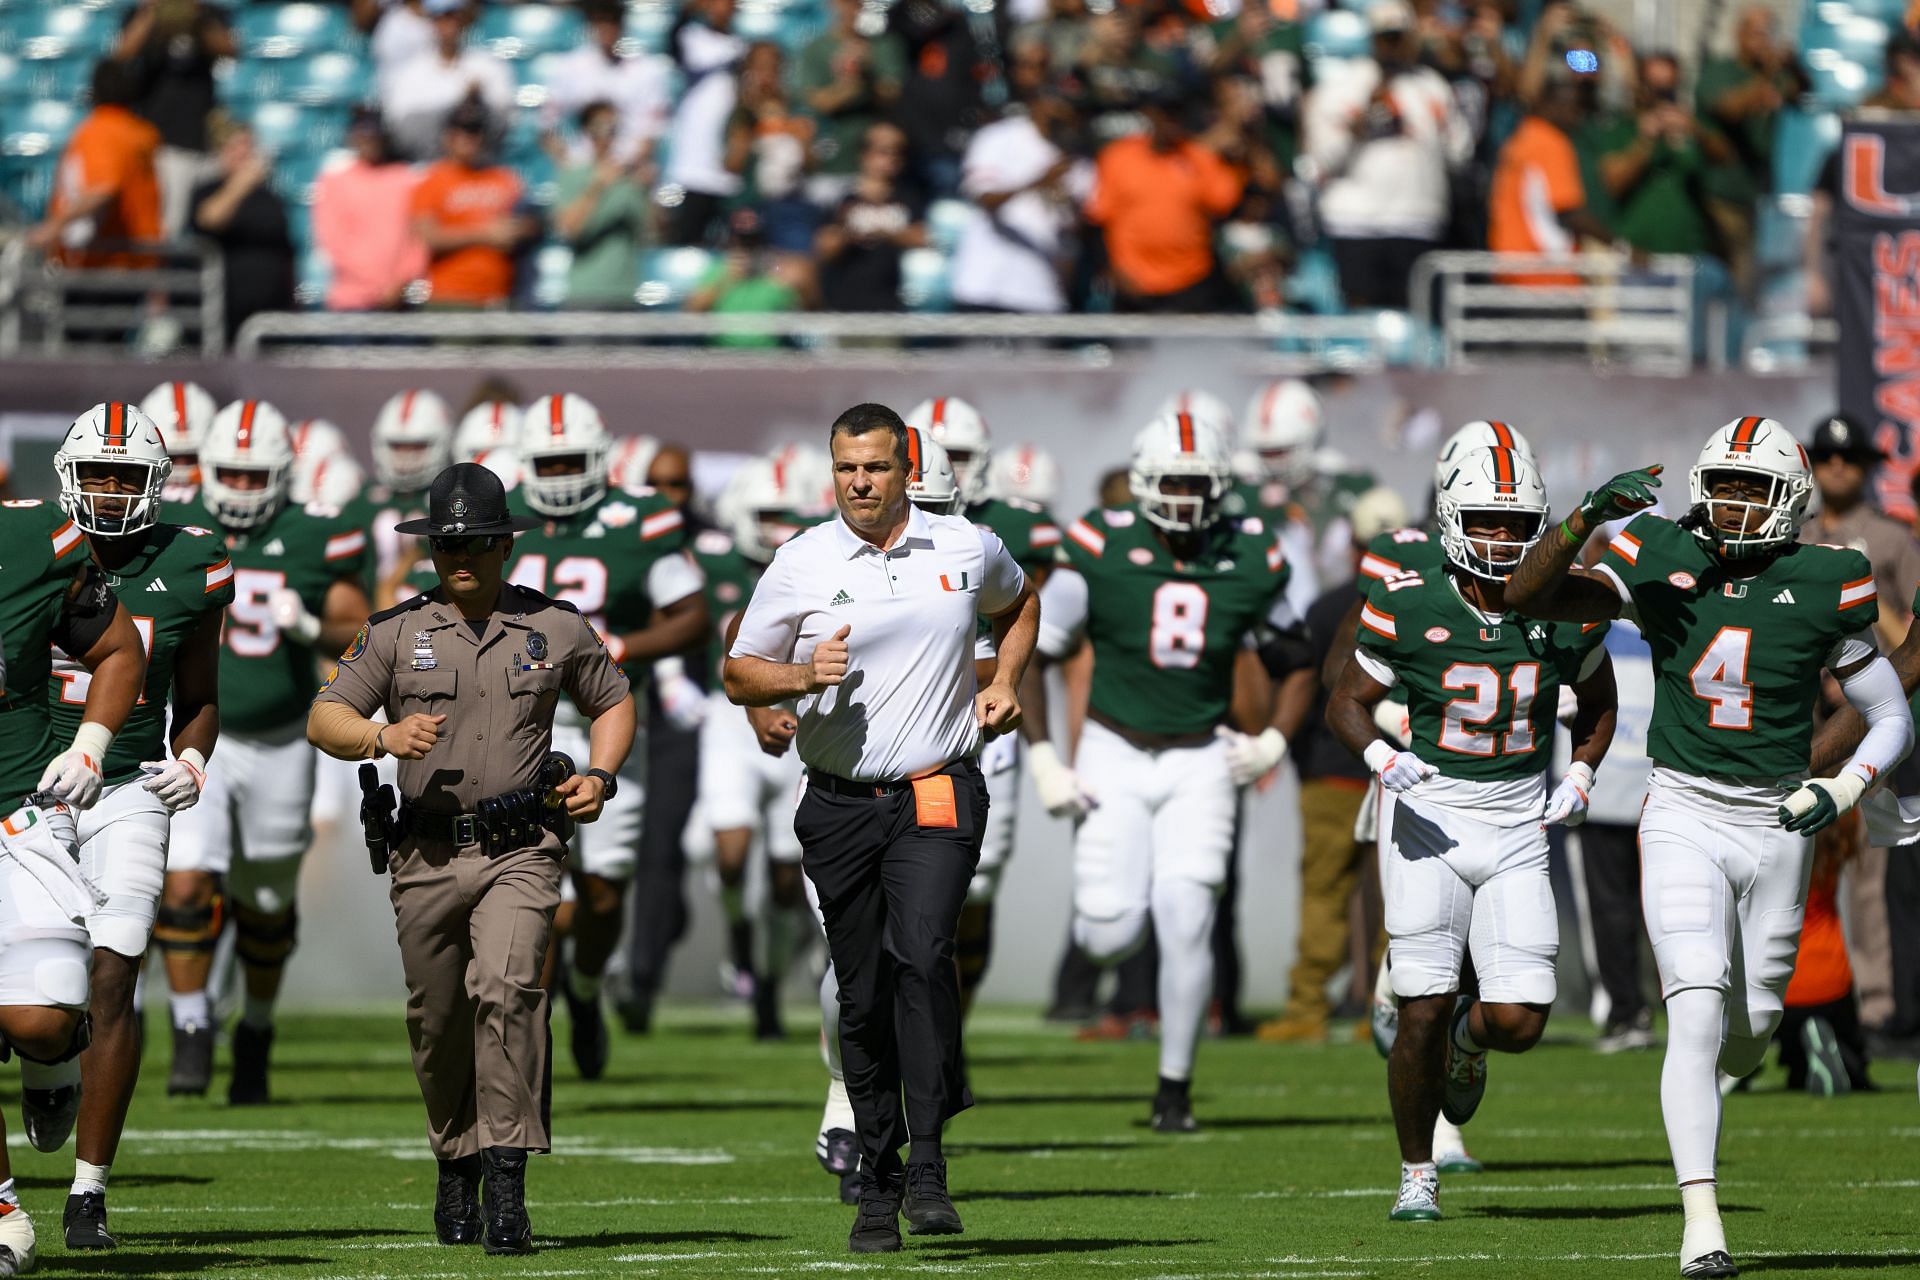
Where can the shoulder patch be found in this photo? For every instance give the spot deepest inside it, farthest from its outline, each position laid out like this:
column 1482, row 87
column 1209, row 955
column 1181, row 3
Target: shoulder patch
column 1117, row 517
column 345, row 545
column 661, row 523
column 355, row 647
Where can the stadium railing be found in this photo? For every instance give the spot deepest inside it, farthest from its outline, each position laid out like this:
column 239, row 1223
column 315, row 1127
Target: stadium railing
column 1786, row 343
column 1606, row 307
column 178, row 302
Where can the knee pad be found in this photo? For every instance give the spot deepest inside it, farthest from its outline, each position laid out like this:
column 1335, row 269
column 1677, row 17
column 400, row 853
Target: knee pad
column 190, row 930
column 1108, row 942
column 973, row 944
column 82, row 1037
column 262, row 939
column 1697, row 964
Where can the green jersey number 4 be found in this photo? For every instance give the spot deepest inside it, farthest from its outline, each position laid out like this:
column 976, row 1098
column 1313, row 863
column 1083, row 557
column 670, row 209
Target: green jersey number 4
column 1462, row 722
column 1720, row 679
column 1179, row 634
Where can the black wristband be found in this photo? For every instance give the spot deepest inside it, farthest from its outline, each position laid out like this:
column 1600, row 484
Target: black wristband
column 608, row 783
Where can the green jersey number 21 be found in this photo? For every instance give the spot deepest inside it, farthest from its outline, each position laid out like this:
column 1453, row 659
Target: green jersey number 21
column 1464, row 718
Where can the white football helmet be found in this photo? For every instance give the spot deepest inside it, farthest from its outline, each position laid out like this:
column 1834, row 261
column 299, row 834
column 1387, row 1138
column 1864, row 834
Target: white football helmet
column 1379, row 510
column 558, row 428
column 1480, row 434
column 1751, row 446
column 182, row 411
column 247, row 436
column 119, row 435
column 1201, row 404
column 412, row 441
column 805, row 475
column 754, row 510
column 931, row 484
column 958, row 428
column 1284, row 425
column 491, row 424
column 315, row 437
column 1497, row 480
column 330, row 479
column 630, row 461
column 1180, row 446
column 1025, row 471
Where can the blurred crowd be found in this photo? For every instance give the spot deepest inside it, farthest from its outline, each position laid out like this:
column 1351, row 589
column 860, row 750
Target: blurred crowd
column 1157, row 155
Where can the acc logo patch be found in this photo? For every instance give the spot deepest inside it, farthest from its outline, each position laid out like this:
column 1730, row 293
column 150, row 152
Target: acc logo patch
column 1439, row 635
column 355, row 648
column 1682, row 579
column 1140, row 555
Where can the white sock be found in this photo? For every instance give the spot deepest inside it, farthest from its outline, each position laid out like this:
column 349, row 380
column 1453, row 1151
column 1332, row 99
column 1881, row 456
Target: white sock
column 1463, row 1036
column 89, row 1177
column 257, row 1012
column 1183, row 924
column 1447, row 1138
column 50, row 1075
column 190, row 1009
column 8, row 1195
column 830, row 1024
column 585, row 986
column 1426, row 1170
column 839, row 1112
column 1703, row 1233
column 1689, row 1092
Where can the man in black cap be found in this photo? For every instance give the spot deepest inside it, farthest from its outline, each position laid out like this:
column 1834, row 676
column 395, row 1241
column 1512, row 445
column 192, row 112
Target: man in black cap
column 468, row 675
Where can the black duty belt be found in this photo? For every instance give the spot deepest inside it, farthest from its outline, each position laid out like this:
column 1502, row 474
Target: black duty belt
column 834, row 784
column 512, row 820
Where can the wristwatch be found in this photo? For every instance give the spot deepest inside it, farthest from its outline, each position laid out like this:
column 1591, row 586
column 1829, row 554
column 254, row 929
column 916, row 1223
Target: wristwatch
column 608, row 783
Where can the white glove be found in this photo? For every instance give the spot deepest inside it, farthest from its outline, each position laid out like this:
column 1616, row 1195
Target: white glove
column 1391, row 718
column 74, row 776
column 1059, row 786
column 289, row 614
column 1399, row 770
column 178, row 782
column 1818, row 802
column 683, row 702
column 1251, row 757
column 1568, row 803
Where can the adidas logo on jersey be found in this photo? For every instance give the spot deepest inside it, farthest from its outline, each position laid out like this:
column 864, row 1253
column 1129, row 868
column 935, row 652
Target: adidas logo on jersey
column 840, row 599
column 1785, row 596
column 156, row 585
column 274, row 548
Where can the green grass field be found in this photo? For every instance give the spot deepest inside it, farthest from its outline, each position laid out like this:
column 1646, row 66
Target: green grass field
column 694, row 1158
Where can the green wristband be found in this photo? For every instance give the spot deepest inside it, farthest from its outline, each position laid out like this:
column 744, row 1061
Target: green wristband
column 1567, row 533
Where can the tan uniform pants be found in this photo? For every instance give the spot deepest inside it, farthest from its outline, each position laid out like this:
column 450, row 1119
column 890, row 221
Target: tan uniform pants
column 1330, row 861
column 473, row 935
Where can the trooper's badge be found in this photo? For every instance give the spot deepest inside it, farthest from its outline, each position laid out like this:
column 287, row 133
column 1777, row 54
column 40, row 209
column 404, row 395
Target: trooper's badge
column 537, row 645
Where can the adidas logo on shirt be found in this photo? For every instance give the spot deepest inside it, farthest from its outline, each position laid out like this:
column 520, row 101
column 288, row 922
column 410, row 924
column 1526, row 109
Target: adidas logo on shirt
column 156, row 585
column 840, row 599
column 1785, row 596
column 274, row 548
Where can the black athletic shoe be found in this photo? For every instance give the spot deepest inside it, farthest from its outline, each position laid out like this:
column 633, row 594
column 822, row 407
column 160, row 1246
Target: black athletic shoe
column 636, row 1012
column 591, row 1044
column 929, row 1208
column 48, row 1115
column 456, row 1202
column 1716, row 1264
column 876, row 1228
column 192, row 1071
column 251, row 1049
column 838, row 1151
column 766, row 1010
column 508, row 1230
column 1173, row 1113
column 86, row 1221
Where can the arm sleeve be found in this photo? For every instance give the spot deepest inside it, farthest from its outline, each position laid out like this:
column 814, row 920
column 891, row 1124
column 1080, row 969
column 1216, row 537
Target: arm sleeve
column 770, row 625
column 363, row 677
column 1063, row 612
column 1004, row 579
column 1371, row 663
column 1591, row 663
column 1875, row 693
column 672, row 579
column 592, row 679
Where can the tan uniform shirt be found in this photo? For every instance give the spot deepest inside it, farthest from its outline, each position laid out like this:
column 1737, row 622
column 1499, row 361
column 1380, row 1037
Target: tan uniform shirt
column 1887, row 543
column 497, row 690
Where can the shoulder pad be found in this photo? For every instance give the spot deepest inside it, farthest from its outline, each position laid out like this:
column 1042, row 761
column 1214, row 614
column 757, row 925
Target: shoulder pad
column 322, row 511
column 1253, row 525
column 1117, row 517
column 712, row 542
column 22, row 504
column 1027, row 505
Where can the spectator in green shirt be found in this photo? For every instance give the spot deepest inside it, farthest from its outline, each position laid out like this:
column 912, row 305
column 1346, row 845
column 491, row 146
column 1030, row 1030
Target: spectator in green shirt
column 1743, row 96
column 848, row 80
column 602, row 216
column 751, row 279
column 1652, row 162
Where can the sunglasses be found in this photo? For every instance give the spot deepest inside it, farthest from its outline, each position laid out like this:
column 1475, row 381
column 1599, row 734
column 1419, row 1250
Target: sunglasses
column 471, row 545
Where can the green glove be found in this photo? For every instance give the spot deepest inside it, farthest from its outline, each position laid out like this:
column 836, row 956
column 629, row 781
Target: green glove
column 1624, row 495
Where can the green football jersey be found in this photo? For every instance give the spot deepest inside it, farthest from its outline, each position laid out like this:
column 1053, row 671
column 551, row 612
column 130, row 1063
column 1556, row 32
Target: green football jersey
column 1164, row 631
column 180, row 499
column 598, row 559
column 1031, row 534
column 1480, row 695
column 179, row 576
column 1267, row 499
column 1737, row 660
column 1402, row 551
column 377, row 509
column 266, row 677
column 730, row 579
column 43, row 550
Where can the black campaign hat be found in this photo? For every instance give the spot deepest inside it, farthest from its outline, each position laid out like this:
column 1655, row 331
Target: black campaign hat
column 467, row 500
column 1839, row 435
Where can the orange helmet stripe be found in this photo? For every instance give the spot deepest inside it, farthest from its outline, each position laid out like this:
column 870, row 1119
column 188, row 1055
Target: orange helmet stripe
column 556, row 416
column 913, row 453
column 1504, row 477
column 939, row 411
column 1502, row 434
column 1186, row 432
column 1744, row 433
column 116, row 424
column 244, row 439
column 180, row 404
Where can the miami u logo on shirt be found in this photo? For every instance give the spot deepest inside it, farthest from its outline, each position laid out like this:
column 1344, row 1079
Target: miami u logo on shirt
column 946, row 583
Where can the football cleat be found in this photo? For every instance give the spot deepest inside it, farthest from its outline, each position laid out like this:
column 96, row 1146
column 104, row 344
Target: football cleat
column 1717, row 1263
column 929, row 1209
column 1466, row 1073
column 1624, row 1037
column 48, row 1115
column 16, row 1241
column 589, row 1040
column 252, row 1046
column 192, row 1071
column 1173, row 1113
column 838, row 1151
column 1826, row 1069
column 1419, row 1198
column 85, row 1221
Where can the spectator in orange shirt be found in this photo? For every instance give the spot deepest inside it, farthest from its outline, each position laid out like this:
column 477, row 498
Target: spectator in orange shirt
column 1538, row 204
column 1158, row 195
column 467, row 214
column 107, row 192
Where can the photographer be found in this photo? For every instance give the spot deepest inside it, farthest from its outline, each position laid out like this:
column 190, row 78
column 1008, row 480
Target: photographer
column 1382, row 137
column 1652, row 163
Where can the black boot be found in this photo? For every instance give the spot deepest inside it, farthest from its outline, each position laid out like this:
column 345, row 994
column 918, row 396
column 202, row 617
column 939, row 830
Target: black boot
column 930, row 1210
column 508, row 1230
column 876, row 1228
column 192, row 1068
column 456, row 1201
column 85, row 1221
column 251, row 1048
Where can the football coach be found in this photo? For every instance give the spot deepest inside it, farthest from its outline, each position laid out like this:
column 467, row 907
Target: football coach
column 868, row 621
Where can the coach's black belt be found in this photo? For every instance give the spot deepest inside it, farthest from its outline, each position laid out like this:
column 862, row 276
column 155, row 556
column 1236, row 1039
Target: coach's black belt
column 854, row 789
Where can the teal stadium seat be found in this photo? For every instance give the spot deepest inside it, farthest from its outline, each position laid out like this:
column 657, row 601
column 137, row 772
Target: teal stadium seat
column 946, row 219
column 327, row 80
column 285, row 128
column 16, row 85
column 647, row 26
column 57, row 31
column 527, row 30
column 242, row 81
column 550, row 266
column 1315, row 283
column 1839, row 82
column 670, row 275
column 294, row 30
column 1803, row 138
column 536, row 74
column 925, row 280
column 1337, row 33
column 31, row 140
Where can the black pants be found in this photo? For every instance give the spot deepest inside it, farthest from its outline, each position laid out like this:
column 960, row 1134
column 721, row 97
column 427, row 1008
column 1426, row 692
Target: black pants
column 891, row 892
column 658, row 903
column 1903, row 935
column 1377, row 271
column 1611, row 853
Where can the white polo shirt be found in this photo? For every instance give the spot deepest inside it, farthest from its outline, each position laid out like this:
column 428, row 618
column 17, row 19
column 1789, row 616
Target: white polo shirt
column 906, row 706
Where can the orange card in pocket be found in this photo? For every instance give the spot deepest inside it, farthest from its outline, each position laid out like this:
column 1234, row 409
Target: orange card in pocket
column 933, row 801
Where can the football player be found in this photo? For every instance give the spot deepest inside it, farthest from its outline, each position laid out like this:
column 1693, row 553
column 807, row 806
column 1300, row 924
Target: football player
column 298, row 593
column 963, row 449
column 182, row 411
column 617, row 558
column 1282, row 430
column 412, row 443
column 113, row 467
column 51, row 594
column 324, row 471
column 1165, row 593
column 1025, row 471
column 1464, row 807
column 1742, row 620
column 487, row 435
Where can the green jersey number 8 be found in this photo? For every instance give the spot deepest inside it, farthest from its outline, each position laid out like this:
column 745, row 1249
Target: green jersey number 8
column 1179, row 634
